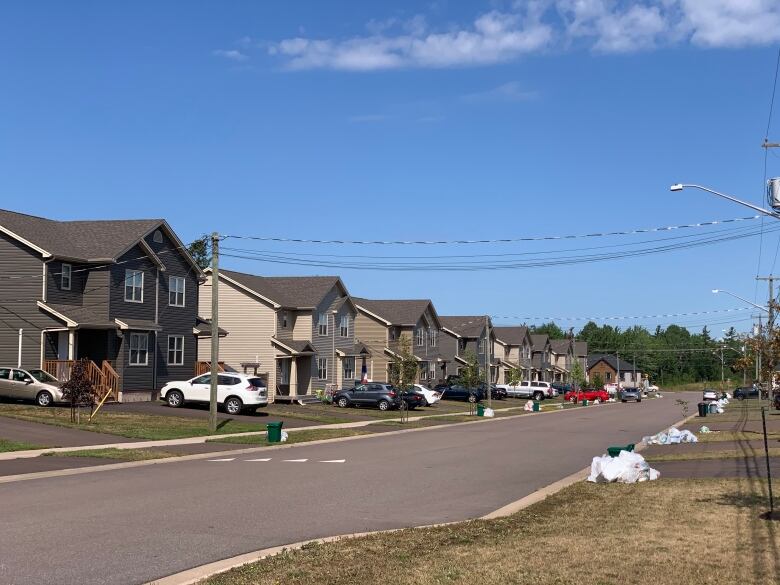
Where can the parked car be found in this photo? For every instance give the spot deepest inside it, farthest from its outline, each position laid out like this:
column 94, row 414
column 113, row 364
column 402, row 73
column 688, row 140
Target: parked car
column 458, row 392
column 496, row 392
column 710, row 394
column 35, row 385
column 612, row 389
column 561, row 388
column 776, row 401
column 590, row 394
column 431, row 396
column 235, row 392
column 382, row 396
column 530, row 389
column 632, row 393
column 746, row 392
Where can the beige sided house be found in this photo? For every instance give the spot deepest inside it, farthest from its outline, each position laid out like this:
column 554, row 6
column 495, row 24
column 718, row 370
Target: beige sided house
column 380, row 324
column 562, row 352
column 512, row 347
column 296, row 331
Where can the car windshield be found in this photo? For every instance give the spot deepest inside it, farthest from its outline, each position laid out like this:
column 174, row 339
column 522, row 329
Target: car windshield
column 257, row 382
column 43, row 376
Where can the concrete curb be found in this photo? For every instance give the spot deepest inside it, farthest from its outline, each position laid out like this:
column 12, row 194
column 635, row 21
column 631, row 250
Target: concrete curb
column 198, row 574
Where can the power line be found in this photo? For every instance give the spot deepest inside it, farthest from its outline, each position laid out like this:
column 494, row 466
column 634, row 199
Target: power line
column 624, row 317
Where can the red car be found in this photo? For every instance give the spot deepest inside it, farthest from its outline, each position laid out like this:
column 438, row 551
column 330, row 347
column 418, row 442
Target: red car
column 591, row 395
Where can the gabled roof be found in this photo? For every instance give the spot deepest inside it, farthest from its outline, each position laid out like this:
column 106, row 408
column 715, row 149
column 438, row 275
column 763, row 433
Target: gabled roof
column 511, row 335
column 294, row 292
column 294, row 346
column 93, row 240
column 581, row 348
column 560, row 345
column 539, row 341
column 465, row 325
column 400, row 312
column 203, row 328
column 612, row 361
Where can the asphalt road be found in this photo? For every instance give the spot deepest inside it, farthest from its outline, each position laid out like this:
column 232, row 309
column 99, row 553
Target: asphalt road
column 137, row 524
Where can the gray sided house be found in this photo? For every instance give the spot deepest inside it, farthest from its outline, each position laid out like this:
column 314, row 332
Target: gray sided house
column 381, row 324
column 541, row 359
column 513, row 349
column 470, row 333
column 122, row 294
column 298, row 332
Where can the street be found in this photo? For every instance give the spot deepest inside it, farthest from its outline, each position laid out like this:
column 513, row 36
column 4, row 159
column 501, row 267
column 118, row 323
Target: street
column 134, row 525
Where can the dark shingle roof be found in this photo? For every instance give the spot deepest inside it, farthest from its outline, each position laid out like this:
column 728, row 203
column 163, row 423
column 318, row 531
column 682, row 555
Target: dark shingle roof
column 396, row 311
column 84, row 316
column 79, row 240
column 465, row 325
column 203, row 328
column 581, row 348
column 287, row 291
column 539, row 341
column 560, row 345
column 511, row 335
column 612, row 361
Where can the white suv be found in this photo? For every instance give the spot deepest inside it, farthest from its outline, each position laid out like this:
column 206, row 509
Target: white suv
column 527, row 389
column 235, row 392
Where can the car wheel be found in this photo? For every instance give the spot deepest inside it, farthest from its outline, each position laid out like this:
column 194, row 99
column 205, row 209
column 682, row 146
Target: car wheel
column 623, row 400
column 740, row 397
column 174, row 398
column 639, row 400
column 384, row 405
column 538, row 396
column 343, row 402
column 44, row 398
column 233, row 405
column 472, row 398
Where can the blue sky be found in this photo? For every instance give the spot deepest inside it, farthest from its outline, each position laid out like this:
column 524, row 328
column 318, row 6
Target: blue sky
column 408, row 120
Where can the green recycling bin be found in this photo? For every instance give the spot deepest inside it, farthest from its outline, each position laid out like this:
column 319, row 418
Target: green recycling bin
column 584, row 403
column 537, row 406
column 274, row 431
column 480, row 410
column 615, row 451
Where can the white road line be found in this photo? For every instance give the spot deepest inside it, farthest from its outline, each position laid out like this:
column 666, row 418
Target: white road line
column 228, row 459
column 266, row 459
column 295, row 460
column 334, row 461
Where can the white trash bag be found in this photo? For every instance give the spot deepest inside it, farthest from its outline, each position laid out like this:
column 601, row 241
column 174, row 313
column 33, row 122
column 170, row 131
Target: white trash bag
column 284, row 436
column 489, row 413
column 627, row 467
column 529, row 406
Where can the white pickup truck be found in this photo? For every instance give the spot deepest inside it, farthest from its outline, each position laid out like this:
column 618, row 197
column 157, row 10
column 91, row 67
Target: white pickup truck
column 536, row 390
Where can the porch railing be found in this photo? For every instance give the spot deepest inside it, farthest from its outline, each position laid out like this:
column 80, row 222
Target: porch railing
column 105, row 379
column 205, row 367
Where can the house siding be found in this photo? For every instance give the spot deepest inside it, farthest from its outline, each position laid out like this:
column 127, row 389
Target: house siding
column 373, row 334
column 18, row 308
column 326, row 345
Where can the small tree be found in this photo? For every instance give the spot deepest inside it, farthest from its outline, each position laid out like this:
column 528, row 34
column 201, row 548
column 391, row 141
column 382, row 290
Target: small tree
column 403, row 369
column 597, row 381
column 514, row 376
column 577, row 374
column 79, row 390
column 469, row 374
column 200, row 251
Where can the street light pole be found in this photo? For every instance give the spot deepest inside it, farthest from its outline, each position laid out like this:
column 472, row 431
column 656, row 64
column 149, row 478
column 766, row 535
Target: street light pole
column 681, row 186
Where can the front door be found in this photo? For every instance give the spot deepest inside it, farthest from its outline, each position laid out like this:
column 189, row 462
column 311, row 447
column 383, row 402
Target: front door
column 62, row 345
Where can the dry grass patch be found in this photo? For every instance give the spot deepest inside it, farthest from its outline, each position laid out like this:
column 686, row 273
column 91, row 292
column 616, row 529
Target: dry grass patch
column 699, row 455
column 113, row 453
column 588, row 535
column 720, row 436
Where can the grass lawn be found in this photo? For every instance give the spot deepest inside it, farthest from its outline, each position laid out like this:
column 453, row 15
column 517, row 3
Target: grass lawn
column 6, row 445
column 576, row 537
column 111, row 453
column 718, row 436
column 127, row 424
column 699, row 455
column 302, row 436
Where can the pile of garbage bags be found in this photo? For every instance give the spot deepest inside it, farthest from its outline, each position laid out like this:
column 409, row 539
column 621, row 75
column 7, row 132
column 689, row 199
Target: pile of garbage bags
column 627, row 467
column 671, row 436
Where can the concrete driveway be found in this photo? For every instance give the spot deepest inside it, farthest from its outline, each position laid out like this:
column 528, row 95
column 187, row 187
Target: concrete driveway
column 133, row 525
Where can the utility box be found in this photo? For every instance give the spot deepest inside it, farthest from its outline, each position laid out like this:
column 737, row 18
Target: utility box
column 773, row 193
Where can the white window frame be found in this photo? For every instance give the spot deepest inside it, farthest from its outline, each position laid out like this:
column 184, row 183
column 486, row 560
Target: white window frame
column 176, row 292
column 322, row 326
column 419, row 337
column 132, row 274
column 178, row 340
column 433, row 337
column 139, row 347
column 348, row 368
column 481, row 345
column 284, row 372
column 69, row 277
column 322, row 368
column 344, row 326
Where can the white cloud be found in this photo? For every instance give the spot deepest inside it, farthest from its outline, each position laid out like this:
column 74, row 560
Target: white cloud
column 533, row 26
column 231, row 54
column 511, row 91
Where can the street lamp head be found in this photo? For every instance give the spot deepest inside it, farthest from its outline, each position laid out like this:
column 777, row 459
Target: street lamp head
column 715, row 291
column 676, row 187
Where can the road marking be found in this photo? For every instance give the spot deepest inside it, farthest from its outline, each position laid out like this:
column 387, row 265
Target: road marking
column 295, row 460
column 266, row 459
column 334, row 461
column 228, row 459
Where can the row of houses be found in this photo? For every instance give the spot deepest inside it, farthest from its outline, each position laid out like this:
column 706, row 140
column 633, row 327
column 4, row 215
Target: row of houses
column 128, row 297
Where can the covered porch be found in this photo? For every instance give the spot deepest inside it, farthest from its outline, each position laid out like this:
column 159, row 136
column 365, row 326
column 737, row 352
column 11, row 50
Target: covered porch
column 293, row 370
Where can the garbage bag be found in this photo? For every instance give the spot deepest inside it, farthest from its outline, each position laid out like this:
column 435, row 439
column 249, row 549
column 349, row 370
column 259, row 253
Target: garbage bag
column 489, row 413
column 627, row 467
column 529, row 406
column 284, row 436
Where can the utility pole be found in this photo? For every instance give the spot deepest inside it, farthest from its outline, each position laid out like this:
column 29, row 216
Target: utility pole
column 770, row 329
column 214, row 332
column 488, row 387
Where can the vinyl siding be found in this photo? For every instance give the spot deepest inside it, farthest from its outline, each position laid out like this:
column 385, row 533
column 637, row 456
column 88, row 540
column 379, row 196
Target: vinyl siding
column 325, row 346
column 373, row 334
column 250, row 323
column 89, row 287
column 302, row 325
column 18, row 309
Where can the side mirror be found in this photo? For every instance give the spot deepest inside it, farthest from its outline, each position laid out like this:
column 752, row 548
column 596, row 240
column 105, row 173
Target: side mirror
column 28, row 381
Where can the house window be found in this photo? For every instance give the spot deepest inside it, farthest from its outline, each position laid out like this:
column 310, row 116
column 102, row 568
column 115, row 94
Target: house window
column 349, row 368
column 481, row 347
column 134, row 286
column 423, row 370
column 322, row 368
column 462, row 344
column 432, row 374
column 608, row 376
column 284, row 319
column 392, row 333
column 175, row 350
column 139, row 349
column 157, row 238
column 419, row 337
column 65, row 276
column 433, row 337
column 176, row 291
column 322, row 325
column 344, row 326
column 284, row 372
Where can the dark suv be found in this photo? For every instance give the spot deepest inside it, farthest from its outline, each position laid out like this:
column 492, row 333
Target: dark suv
column 746, row 392
column 383, row 396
